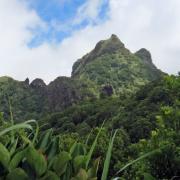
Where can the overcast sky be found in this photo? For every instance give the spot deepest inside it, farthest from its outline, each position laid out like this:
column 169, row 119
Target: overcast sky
column 43, row 38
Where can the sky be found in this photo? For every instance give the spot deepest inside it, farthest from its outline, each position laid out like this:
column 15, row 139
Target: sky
column 43, row 38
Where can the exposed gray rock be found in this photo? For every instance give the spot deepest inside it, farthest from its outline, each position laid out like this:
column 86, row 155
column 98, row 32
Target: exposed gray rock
column 38, row 83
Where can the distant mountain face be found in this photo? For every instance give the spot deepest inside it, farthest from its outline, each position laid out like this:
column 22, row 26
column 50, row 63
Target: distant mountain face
column 108, row 69
column 37, row 99
column 110, row 63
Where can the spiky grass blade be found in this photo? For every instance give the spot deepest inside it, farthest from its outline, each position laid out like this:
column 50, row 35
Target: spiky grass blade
column 138, row 159
column 11, row 119
column 87, row 140
column 108, row 158
column 15, row 127
column 89, row 155
column 36, row 132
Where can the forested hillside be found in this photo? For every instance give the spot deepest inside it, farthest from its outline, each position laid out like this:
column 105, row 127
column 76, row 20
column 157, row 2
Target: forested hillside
column 111, row 63
column 146, row 120
column 108, row 70
column 118, row 116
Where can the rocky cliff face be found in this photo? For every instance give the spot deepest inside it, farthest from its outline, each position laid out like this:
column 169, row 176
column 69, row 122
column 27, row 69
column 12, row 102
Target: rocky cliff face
column 145, row 55
column 63, row 92
column 38, row 84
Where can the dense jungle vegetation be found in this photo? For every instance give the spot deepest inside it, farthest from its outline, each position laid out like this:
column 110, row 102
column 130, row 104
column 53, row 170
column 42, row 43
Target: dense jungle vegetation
column 117, row 117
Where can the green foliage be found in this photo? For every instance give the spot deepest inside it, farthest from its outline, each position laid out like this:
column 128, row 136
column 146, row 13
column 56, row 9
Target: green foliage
column 25, row 101
column 110, row 63
column 146, row 144
column 165, row 163
column 50, row 175
column 37, row 99
column 136, row 114
column 36, row 160
column 43, row 159
column 84, row 116
column 108, row 158
column 60, row 163
column 5, row 156
column 17, row 174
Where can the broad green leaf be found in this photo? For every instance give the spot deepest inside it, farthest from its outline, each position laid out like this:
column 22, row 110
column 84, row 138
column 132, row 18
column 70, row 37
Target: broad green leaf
column 12, row 148
column 60, row 163
column 79, row 162
column 50, row 176
column 68, row 173
column 36, row 160
column 17, row 158
column 4, row 156
column 82, row 175
column 52, row 151
column 36, row 129
column 77, row 149
column 92, row 172
column 72, row 149
column 45, row 140
column 53, row 148
column 17, row 174
column 148, row 176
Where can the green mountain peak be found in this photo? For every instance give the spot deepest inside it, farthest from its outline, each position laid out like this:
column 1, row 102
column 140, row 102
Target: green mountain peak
column 144, row 54
column 111, row 63
column 109, row 46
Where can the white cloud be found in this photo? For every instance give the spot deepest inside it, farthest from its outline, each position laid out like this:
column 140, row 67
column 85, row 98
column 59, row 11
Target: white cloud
column 88, row 11
column 151, row 24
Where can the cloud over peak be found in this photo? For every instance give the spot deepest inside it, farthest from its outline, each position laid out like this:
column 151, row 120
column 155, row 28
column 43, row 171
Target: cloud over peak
column 138, row 23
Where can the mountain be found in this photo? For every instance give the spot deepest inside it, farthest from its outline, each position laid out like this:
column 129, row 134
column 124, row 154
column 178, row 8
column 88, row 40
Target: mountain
column 36, row 99
column 138, row 105
column 110, row 69
column 111, row 63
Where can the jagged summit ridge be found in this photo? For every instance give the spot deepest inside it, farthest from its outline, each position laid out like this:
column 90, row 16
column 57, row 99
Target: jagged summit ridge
column 110, row 62
column 110, row 69
column 109, row 46
column 144, row 54
column 38, row 83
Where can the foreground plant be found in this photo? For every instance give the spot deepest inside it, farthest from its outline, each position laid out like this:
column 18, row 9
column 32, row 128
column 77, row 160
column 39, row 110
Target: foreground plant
column 28, row 155
column 32, row 157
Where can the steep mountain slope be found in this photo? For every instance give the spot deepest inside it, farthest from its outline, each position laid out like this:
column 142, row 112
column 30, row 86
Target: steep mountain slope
column 36, row 99
column 108, row 69
column 26, row 100
column 110, row 63
column 135, row 114
column 64, row 92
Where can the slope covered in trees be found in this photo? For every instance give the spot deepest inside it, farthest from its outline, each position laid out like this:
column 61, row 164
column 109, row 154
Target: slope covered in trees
column 108, row 70
column 113, row 96
column 148, row 120
column 146, row 145
column 136, row 114
column 111, row 63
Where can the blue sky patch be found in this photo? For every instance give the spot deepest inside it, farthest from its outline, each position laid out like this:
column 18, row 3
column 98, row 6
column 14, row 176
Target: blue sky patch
column 104, row 9
column 58, row 15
